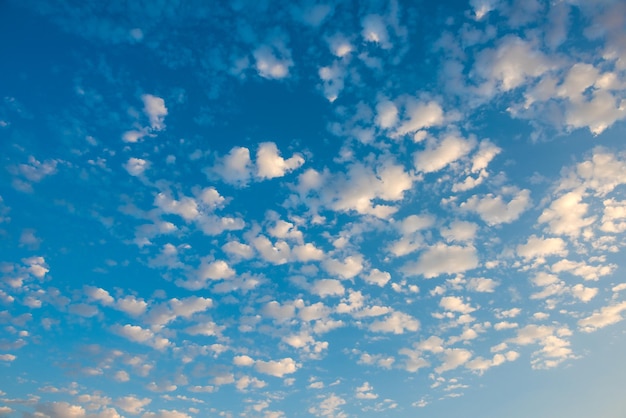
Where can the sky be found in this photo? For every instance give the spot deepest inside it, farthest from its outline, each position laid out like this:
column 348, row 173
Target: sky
column 312, row 208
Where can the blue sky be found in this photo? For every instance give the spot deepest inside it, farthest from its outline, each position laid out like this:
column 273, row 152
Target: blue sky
column 294, row 209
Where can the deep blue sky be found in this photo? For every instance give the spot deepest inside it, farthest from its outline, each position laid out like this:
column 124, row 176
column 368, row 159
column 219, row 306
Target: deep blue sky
column 333, row 209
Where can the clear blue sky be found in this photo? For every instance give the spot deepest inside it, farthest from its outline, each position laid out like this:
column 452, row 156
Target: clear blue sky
column 293, row 209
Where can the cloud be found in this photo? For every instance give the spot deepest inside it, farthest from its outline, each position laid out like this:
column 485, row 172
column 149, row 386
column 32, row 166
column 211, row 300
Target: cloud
column 453, row 358
column 329, row 407
column 396, row 323
column 566, row 215
column 346, row 269
column 607, row 315
column 442, row 259
column 375, row 31
column 154, row 108
column 455, row 304
column 377, row 277
column 481, row 284
column 307, row 252
column 166, row 414
column 493, row 210
column 328, row 287
column 235, row 167
column 278, row 368
column 271, row 64
column 439, row 154
column 271, row 165
column 141, row 335
column 136, row 166
column 132, row 404
column 386, row 114
column 131, row 305
column 365, row 391
column 539, row 248
column 513, row 63
column 420, row 115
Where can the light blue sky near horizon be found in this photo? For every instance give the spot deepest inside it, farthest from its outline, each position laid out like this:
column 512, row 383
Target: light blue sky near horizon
column 333, row 209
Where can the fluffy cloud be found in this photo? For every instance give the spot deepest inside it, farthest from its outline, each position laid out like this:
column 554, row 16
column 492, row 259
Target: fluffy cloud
column 136, row 166
column 566, row 215
column 453, row 358
column 439, row 154
column 510, row 65
column 235, row 167
column 608, row 315
column 132, row 404
column 494, row 210
column 270, row 63
column 455, row 304
column 270, row 164
column 396, row 323
column 277, row 368
column 154, row 108
column 481, row 284
column 442, row 259
column 539, row 247
column 328, row 287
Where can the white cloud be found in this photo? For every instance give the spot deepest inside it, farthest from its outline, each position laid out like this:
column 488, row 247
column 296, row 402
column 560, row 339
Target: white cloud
column 386, row 114
column 243, row 360
column 365, row 391
column 377, row 277
column 132, row 404
column 439, row 154
column 607, row 315
column 235, row 167
column 584, row 294
column 186, row 207
column 329, row 407
column 512, row 64
column 332, row 80
column 582, row 269
column 396, row 323
column 442, row 259
column 277, row 368
column 482, row 7
column 460, row 231
column 375, row 30
column 99, row 295
column 565, row 216
column 597, row 113
column 272, row 64
column 215, row 270
column 553, row 350
column 481, row 284
column 61, row 410
column 420, row 115
column 327, row 287
column 279, row 312
column 346, row 269
column 307, row 252
column 614, row 217
column 494, row 210
column 453, row 358
column 141, row 335
column 154, row 108
column 131, row 305
column 238, row 249
column 455, row 304
column 166, row 414
column 270, row 164
column 538, row 248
